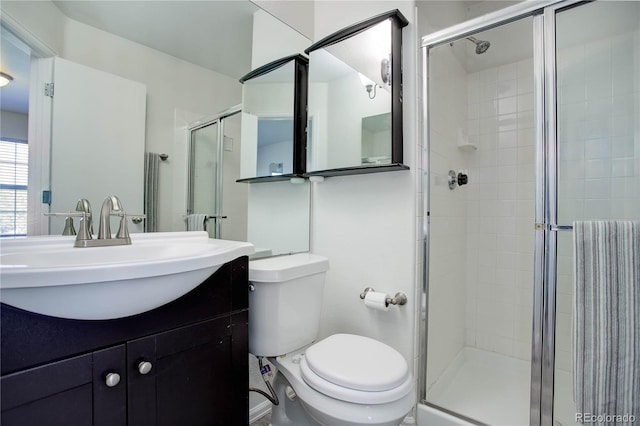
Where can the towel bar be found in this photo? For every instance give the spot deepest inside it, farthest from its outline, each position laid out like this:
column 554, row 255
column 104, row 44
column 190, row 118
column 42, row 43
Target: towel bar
column 561, row 227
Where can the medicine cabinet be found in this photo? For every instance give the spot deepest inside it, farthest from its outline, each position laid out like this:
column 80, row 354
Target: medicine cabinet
column 274, row 116
column 355, row 99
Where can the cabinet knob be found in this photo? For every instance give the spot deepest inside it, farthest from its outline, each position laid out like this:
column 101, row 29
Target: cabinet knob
column 112, row 379
column 144, row 367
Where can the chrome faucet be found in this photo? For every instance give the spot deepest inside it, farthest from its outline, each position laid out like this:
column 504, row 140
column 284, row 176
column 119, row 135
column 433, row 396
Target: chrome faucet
column 111, row 203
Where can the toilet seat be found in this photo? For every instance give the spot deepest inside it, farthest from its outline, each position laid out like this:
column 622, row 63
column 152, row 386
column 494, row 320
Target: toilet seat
column 356, row 369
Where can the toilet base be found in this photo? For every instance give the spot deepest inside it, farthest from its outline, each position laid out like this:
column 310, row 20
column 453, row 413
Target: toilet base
column 289, row 412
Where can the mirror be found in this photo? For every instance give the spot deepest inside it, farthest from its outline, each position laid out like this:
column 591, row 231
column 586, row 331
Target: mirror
column 355, row 99
column 189, row 57
column 274, row 120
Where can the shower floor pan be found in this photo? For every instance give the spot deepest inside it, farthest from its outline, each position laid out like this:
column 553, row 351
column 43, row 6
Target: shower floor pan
column 495, row 389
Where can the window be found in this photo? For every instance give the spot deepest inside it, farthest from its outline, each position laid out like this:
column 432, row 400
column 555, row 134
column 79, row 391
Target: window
column 14, row 168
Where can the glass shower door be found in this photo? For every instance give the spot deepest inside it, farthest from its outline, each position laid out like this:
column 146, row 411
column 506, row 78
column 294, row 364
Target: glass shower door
column 598, row 151
column 204, row 179
column 481, row 193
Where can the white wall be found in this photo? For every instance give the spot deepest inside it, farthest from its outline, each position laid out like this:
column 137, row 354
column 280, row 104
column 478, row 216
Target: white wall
column 278, row 152
column 261, row 99
column 13, row 125
column 278, row 217
column 268, row 34
column 366, row 224
column 436, row 15
column 43, row 19
column 298, row 14
column 318, row 116
column 348, row 103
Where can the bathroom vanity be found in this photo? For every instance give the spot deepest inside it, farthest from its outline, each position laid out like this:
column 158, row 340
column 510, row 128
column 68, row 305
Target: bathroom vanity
column 183, row 363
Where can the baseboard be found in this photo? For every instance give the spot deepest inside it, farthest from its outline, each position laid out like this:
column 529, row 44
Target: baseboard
column 259, row 410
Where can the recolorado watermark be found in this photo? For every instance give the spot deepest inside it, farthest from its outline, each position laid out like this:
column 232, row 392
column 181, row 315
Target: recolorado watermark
column 605, row 418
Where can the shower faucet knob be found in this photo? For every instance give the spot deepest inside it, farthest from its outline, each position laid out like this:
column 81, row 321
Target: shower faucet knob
column 462, row 179
column 456, row 179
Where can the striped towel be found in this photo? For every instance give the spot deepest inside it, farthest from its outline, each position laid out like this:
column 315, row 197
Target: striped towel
column 196, row 222
column 606, row 318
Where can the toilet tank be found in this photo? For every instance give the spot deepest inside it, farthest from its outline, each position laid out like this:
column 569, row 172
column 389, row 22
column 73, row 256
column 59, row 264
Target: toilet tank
column 285, row 304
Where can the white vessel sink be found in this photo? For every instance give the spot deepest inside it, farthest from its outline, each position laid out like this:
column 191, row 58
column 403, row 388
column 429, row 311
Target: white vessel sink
column 48, row 276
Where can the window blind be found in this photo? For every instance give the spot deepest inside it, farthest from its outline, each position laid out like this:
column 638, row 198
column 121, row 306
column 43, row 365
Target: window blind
column 14, row 169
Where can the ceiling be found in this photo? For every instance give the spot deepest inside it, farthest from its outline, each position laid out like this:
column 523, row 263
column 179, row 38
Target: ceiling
column 214, row 34
column 15, row 60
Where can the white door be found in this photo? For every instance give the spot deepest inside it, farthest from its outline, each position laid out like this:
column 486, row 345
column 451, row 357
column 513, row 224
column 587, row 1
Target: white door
column 97, row 141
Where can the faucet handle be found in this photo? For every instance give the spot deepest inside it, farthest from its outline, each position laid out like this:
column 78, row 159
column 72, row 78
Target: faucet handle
column 123, row 230
column 84, row 231
column 68, row 226
column 84, row 205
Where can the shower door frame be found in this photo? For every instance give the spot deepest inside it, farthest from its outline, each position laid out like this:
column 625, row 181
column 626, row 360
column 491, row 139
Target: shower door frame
column 217, row 214
column 545, row 215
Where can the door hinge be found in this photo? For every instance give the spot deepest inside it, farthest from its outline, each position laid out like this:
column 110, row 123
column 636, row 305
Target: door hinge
column 48, row 89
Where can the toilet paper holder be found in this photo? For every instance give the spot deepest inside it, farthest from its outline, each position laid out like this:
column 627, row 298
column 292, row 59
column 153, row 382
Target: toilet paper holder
column 399, row 299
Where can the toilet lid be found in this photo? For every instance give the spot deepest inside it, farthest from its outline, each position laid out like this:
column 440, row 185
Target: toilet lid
column 357, row 362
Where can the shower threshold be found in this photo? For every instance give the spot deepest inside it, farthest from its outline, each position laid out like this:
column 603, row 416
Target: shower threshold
column 494, row 389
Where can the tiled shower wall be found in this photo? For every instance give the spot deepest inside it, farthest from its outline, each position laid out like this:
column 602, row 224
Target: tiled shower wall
column 500, row 207
column 599, row 151
column 481, row 242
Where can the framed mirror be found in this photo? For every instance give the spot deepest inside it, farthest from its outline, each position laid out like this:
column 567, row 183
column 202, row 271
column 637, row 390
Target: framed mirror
column 274, row 116
column 190, row 58
column 355, row 99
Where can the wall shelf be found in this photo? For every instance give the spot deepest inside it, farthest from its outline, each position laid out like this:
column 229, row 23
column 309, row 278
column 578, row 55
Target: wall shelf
column 277, row 178
column 358, row 170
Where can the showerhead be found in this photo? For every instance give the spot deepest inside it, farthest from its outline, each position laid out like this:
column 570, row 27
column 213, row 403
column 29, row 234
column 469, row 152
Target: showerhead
column 481, row 45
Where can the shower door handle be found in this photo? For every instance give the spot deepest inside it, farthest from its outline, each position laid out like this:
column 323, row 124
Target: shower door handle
column 217, row 224
column 216, row 216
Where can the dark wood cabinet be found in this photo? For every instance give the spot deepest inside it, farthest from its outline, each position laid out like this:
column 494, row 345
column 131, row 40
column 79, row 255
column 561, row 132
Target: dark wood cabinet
column 73, row 391
column 189, row 380
column 182, row 364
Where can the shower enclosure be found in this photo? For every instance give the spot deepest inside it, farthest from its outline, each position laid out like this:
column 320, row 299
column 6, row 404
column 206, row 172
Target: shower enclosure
column 538, row 106
column 214, row 167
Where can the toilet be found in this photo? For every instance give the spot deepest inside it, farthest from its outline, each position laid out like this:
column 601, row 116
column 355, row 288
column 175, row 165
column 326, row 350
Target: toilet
column 344, row 379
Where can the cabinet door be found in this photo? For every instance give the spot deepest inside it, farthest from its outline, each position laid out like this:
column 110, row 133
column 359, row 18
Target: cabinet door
column 190, row 379
column 54, row 394
column 110, row 387
column 67, row 392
